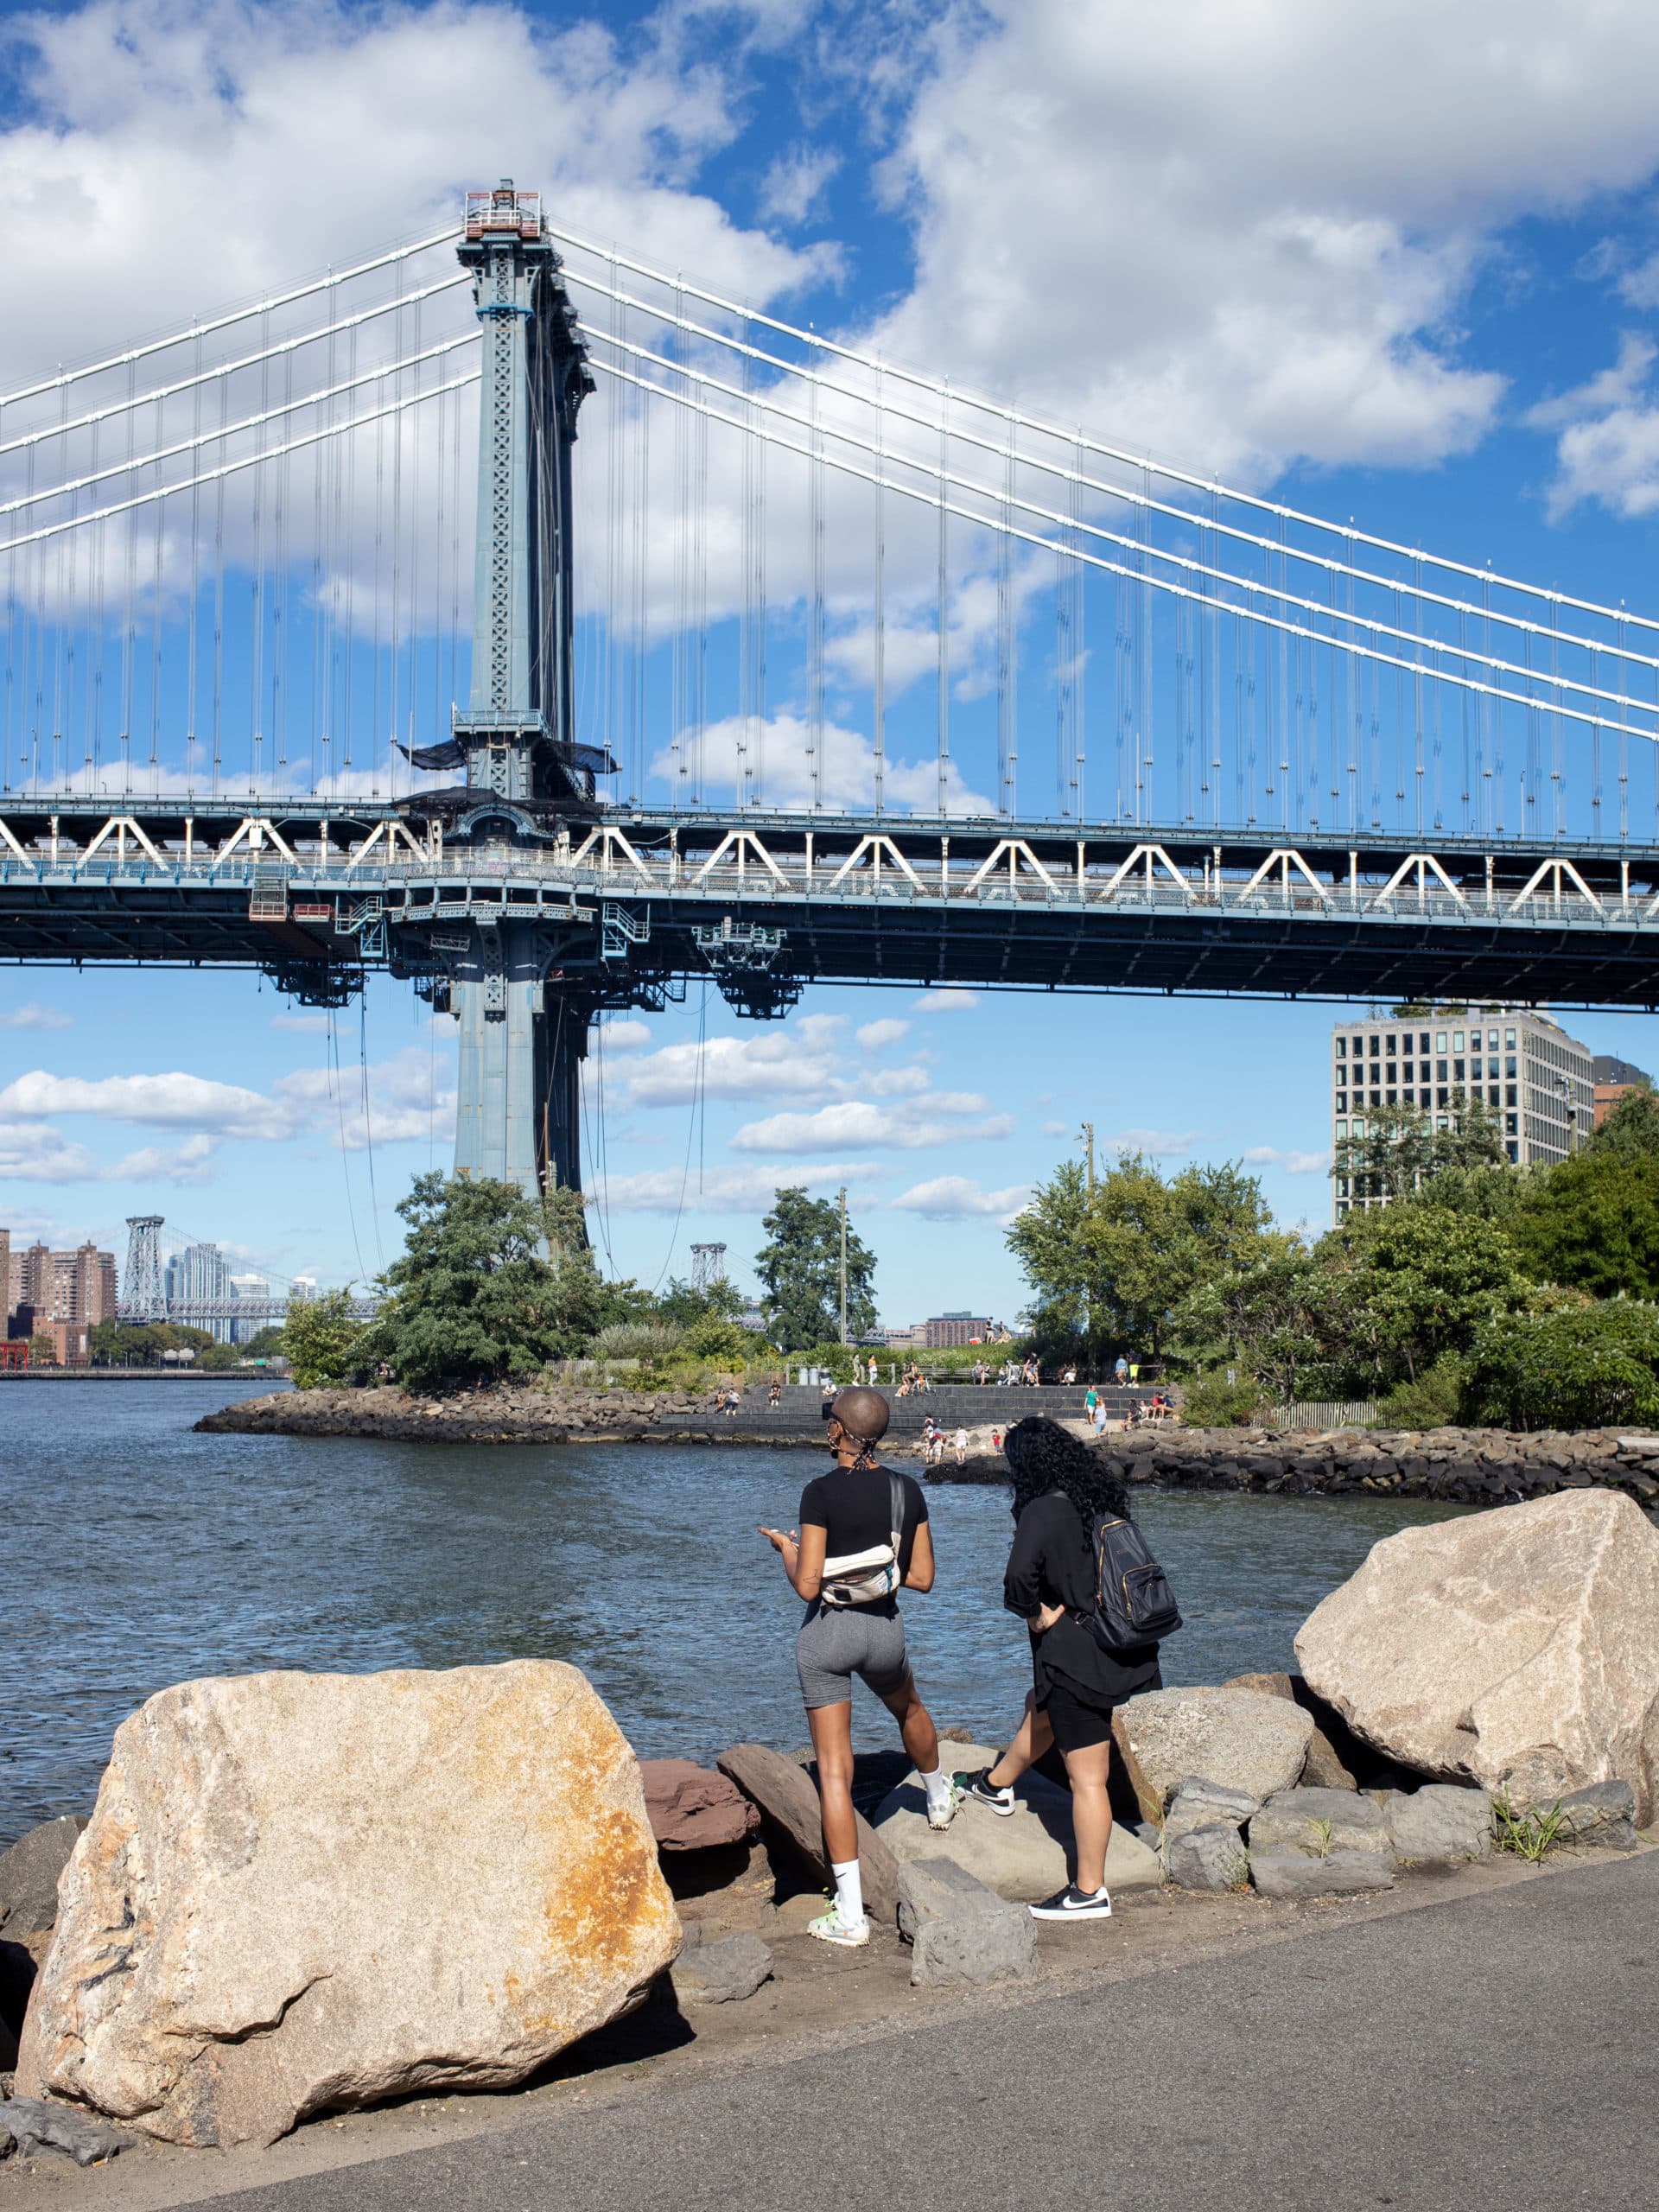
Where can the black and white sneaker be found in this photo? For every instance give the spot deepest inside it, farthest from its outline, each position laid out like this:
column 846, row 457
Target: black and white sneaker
column 1073, row 1903
column 976, row 1790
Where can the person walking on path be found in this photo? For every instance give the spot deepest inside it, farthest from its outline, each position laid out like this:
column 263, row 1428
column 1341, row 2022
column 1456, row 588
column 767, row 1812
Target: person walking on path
column 1121, row 1371
column 1059, row 1486
column 864, row 1535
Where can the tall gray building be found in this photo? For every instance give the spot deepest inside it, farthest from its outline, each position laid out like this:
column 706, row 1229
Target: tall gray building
column 201, row 1271
column 1536, row 1079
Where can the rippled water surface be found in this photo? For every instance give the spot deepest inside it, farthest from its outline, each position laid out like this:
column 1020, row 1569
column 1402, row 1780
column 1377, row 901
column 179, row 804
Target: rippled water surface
column 136, row 1554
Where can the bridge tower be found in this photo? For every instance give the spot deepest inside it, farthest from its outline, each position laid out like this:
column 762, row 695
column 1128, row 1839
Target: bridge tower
column 521, row 1039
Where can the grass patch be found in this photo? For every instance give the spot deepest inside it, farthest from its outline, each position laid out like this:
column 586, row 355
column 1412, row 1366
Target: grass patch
column 1531, row 1836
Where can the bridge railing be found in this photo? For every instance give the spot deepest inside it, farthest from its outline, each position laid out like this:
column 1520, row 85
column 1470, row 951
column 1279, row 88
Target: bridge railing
column 1422, row 888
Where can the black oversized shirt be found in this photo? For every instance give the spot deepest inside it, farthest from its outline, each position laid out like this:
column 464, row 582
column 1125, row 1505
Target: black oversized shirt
column 1052, row 1564
column 853, row 1506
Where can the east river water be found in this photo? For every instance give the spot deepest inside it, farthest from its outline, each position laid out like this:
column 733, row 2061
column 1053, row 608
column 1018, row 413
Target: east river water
column 134, row 1554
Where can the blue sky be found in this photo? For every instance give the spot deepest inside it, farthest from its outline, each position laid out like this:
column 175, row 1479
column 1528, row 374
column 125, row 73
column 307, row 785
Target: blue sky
column 1393, row 269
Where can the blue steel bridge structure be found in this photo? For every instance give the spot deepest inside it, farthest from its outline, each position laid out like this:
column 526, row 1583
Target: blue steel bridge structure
column 331, row 647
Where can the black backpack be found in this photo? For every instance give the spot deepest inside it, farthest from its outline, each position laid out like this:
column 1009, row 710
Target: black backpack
column 1133, row 1604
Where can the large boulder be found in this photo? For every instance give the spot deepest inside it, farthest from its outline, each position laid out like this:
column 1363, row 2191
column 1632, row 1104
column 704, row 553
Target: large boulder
column 1239, row 1738
column 1026, row 1855
column 787, row 1796
column 1438, row 1825
column 1314, row 1842
column 301, row 1892
column 691, row 1808
column 1518, row 1649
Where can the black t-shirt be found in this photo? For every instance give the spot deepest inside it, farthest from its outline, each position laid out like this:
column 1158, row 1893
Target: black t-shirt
column 1052, row 1564
column 853, row 1506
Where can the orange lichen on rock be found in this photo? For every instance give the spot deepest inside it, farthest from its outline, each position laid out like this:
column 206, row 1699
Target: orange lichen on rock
column 304, row 1892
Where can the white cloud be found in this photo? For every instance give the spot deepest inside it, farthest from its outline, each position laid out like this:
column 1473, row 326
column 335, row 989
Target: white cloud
column 777, row 765
column 1056, row 1129
column 958, row 1197
column 189, row 1162
column 411, row 1100
column 1157, row 1144
column 301, row 1025
column 33, row 1015
column 32, row 1152
column 950, row 999
column 792, row 1060
column 857, row 1126
column 724, row 1190
column 793, row 185
column 1293, row 1163
column 1284, row 206
column 176, row 1101
column 624, row 1036
column 876, row 1036
column 1608, row 446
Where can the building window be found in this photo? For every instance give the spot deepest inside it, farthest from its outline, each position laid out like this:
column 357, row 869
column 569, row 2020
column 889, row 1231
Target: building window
column 1422, row 1042
column 1457, row 1071
column 1442, row 1123
column 1440, row 1066
column 1341, row 1048
column 1376, row 1048
column 1359, row 1128
column 1491, row 1094
column 1509, row 1039
column 1510, row 1091
column 1392, row 1046
column 1440, row 1095
column 1457, row 1041
column 1342, row 1105
column 1439, row 1041
column 1491, row 1040
column 1511, row 1124
column 1508, row 1064
column 1474, row 1066
column 1514, row 1150
column 1393, row 1098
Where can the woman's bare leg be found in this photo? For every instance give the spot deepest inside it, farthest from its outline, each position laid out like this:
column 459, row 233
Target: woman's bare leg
column 920, row 1737
column 1032, row 1738
column 832, row 1746
column 1092, row 1812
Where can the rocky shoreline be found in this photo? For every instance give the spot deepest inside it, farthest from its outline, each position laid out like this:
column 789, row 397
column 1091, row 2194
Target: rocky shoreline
column 1463, row 1465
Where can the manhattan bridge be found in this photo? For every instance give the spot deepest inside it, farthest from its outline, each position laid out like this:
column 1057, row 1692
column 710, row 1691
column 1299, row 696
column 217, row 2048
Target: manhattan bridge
column 330, row 647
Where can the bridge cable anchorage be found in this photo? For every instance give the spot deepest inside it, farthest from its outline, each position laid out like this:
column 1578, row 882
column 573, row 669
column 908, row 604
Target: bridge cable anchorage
column 254, row 309
column 998, row 409
column 1007, row 496
column 1466, row 684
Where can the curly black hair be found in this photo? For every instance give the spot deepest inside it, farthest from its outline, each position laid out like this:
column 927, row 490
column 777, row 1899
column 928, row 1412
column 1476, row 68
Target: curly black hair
column 1043, row 1457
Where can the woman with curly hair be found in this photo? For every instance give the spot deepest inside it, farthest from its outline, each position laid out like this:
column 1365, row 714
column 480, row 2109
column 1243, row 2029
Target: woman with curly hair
column 1058, row 1485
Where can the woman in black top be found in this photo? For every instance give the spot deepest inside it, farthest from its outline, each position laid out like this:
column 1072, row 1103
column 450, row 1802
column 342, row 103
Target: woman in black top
column 1059, row 1486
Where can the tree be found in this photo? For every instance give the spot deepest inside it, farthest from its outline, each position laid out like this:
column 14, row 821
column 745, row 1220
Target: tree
column 683, row 1303
column 1424, row 1278
column 1592, row 1222
column 1585, row 1368
column 1120, row 1266
column 1402, row 1148
column 318, row 1339
column 472, row 1297
column 799, row 1271
column 1267, row 1314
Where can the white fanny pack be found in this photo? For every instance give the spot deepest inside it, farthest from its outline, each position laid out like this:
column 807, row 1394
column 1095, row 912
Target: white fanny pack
column 865, row 1577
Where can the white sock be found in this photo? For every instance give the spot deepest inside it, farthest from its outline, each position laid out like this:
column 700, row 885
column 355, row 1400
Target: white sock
column 937, row 1786
column 850, row 1892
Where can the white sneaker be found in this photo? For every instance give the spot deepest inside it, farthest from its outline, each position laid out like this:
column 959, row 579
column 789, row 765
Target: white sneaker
column 1073, row 1903
column 830, row 1927
column 941, row 1815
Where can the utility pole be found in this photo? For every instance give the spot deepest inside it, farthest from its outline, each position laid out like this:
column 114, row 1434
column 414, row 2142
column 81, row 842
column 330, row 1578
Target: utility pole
column 1088, row 1134
column 842, row 1197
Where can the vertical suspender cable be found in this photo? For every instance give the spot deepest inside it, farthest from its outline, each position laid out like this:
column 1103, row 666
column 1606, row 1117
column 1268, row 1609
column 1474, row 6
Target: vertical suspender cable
column 942, row 615
column 1007, row 734
column 879, row 625
column 815, row 599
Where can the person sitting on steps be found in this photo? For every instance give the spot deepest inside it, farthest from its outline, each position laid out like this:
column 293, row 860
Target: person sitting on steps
column 846, row 1565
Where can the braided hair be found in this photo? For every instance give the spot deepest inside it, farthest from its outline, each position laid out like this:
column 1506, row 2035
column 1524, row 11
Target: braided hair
column 1043, row 1457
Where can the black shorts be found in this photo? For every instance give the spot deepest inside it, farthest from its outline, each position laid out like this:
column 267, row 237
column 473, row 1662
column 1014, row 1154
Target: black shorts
column 1078, row 1725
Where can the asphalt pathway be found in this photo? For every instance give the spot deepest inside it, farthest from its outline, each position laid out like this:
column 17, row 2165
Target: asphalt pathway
column 1498, row 2052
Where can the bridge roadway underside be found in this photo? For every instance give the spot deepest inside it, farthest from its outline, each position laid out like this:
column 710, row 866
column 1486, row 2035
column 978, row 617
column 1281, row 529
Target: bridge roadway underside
column 624, row 910
column 1054, row 946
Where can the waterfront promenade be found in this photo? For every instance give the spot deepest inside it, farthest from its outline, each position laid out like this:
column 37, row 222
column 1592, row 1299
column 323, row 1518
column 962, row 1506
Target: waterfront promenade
column 1493, row 2052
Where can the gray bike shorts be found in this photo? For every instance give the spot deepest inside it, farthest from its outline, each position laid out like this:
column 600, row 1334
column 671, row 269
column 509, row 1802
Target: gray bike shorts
column 837, row 1642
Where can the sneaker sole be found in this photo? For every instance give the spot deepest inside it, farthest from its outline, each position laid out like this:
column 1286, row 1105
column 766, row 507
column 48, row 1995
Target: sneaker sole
column 1002, row 1811
column 841, row 1942
column 1077, row 1912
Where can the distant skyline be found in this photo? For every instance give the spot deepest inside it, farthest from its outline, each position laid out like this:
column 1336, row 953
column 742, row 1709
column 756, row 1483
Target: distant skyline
column 1393, row 264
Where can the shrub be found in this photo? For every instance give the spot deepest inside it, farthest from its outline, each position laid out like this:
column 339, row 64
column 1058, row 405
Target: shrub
column 1212, row 1401
column 320, row 1339
column 1430, row 1399
column 723, row 1342
column 642, row 1340
column 1591, row 1367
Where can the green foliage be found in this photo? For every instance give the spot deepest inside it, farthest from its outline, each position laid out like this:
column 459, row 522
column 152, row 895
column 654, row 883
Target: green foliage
column 141, row 1343
column 800, row 1272
column 1589, row 1367
column 1593, row 1221
column 1113, row 1268
column 1430, row 1399
column 1211, row 1401
column 321, row 1340
column 680, row 1304
column 267, row 1344
column 836, row 1360
column 1531, row 1836
column 472, row 1298
column 1424, row 1278
column 1402, row 1148
column 1267, row 1315
column 642, row 1340
column 723, row 1343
